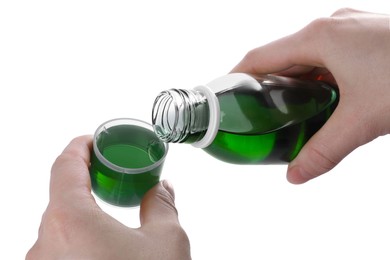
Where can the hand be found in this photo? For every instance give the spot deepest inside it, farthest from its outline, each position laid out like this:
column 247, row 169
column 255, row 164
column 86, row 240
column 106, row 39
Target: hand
column 352, row 50
column 74, row 227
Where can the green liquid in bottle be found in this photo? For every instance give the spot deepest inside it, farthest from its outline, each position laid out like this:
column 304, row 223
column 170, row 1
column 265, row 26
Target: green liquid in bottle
column 270, row 125
column 130, row 148
column 245, row 119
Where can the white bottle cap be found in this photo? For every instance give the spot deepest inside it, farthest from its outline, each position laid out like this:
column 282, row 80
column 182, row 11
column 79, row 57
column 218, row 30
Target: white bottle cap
column 214, row 117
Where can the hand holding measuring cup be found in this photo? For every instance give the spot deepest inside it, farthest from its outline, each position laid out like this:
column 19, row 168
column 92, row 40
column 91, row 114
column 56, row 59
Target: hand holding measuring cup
column 74, row 227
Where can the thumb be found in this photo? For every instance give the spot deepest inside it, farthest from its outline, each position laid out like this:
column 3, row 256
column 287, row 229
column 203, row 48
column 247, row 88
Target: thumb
column 158, row 204
column 336, row 139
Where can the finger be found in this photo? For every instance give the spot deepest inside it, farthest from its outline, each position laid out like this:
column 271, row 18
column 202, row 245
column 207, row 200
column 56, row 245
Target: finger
column 300, row 48
column 305, row 72
column 327, row 147
column 70, row 175
column 158, row 205
column 295, row 71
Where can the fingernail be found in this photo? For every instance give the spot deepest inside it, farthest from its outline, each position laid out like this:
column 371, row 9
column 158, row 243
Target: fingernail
column 168, row 186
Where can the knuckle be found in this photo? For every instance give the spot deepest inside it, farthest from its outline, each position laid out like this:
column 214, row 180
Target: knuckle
column 320, row 161
column 319, row 27
column 326, row 30
column 64, row 159
column 68, row 161
column 345, row 11
column 167, row 200
column 72, row 152
column 322, row 26
column 250, row 54
column 248, row 63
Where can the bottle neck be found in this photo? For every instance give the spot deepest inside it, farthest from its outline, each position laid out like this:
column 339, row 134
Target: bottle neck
column 180, row 115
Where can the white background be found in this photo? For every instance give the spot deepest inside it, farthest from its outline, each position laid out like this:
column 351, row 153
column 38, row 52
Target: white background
column 68, row 66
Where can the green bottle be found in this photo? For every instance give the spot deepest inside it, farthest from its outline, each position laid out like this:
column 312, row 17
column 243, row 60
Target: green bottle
column 245, row 119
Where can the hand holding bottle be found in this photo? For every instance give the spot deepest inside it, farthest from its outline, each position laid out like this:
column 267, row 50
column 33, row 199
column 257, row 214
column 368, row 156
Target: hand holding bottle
column 74, row 227
column 351, row 49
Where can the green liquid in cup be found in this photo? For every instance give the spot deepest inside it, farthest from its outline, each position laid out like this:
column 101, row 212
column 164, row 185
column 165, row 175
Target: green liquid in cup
column 132, row 150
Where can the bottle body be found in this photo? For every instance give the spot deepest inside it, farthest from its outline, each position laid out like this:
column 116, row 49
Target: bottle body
column 265, row 120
